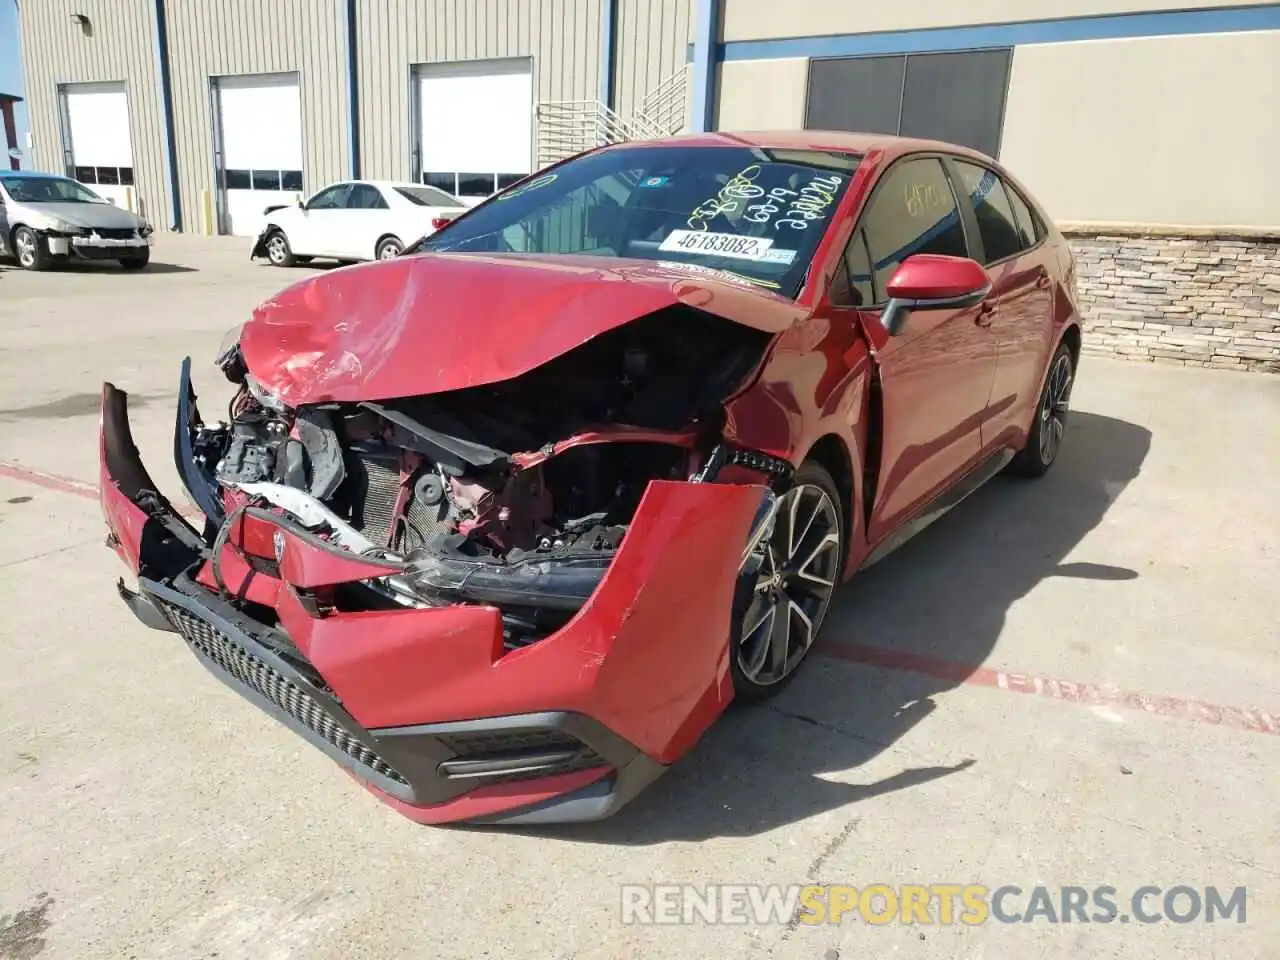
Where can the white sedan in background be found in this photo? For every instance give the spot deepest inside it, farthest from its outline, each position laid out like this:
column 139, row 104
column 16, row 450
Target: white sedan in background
column 354, row 220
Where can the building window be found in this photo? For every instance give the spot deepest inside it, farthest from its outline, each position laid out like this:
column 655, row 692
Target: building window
column 955, row 97
column 275, row 180
column 103, row 176
column 465, row 184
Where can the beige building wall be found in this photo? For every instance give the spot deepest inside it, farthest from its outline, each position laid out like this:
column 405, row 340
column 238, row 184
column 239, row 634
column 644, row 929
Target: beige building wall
column 232, row 37
column 762, row 94
column 652, row 44
column 118, row 46
column 1168, row 130
column 562, row 36
column 768, row 19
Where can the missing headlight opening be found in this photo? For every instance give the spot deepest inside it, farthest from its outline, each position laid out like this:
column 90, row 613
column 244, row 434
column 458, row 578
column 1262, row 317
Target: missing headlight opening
column 515, row 494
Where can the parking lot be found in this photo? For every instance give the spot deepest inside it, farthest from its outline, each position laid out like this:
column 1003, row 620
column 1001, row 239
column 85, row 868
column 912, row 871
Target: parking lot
column 1068, row 683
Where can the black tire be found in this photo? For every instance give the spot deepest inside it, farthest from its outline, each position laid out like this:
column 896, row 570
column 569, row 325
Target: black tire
column 1049, row 423
column 766, row 652
column 30, row 249
column 388, row 248
column 138, row 261
column 278, row 250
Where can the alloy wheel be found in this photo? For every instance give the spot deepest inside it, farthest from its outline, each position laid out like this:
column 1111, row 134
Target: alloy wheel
column 1053, row 409
column 796, row 568
column 389, row 251
column 25, row 242
column 278, row 248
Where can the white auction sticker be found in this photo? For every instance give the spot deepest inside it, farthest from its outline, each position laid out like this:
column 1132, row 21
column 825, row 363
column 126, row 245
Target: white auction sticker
column 716, row 244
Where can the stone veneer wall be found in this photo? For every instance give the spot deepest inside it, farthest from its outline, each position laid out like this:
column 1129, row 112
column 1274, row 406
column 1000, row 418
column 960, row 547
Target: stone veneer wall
column 1183, row 300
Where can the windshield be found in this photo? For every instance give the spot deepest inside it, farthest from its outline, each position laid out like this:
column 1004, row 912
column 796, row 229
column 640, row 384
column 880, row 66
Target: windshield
column 758, row 213
column 48, row 190
column 428, row 197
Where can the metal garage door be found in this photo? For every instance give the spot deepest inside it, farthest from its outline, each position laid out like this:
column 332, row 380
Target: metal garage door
column 97, row 147
column 957, row 97
column 475, row 125
column 257, row 148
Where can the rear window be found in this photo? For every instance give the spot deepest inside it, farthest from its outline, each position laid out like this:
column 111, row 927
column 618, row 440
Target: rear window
column 427, row 197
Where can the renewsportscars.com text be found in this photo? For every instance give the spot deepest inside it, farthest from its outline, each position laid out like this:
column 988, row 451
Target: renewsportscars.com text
column 935, row 904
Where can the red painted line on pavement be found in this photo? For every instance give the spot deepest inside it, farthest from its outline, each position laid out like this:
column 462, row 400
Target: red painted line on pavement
column 953, row 671
column 50, row 481
column 1087, row 694
column 61, row 484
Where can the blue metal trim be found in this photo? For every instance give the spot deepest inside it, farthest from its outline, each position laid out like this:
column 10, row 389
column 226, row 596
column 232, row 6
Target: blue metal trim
column 166, row 113
column 608, row 45
column 353, row 91
column 705, row 57
column 1066, row 30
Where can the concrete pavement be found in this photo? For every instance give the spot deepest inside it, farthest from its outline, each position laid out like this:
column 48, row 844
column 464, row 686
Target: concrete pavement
column 1070, row 682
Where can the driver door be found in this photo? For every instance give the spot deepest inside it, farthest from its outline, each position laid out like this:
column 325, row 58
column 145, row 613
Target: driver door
column 936, row 376
column 319, row 232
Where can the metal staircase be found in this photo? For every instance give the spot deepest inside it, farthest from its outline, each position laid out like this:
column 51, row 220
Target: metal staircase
column 566, row 127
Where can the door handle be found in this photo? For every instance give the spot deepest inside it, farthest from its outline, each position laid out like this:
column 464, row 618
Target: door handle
column 986, row 313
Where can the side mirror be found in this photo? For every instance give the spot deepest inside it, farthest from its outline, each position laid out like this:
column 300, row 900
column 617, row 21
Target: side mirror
column 111, row 200
column 930, row 281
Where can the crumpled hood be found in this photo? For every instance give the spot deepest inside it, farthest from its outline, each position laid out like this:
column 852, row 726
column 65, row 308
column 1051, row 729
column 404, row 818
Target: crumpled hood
column 436, row 322
column 89, row 215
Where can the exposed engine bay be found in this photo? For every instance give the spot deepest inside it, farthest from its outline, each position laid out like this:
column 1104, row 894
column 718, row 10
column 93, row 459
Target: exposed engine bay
column 515, row 494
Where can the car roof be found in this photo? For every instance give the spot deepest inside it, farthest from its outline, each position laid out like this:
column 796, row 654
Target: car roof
column 392, row 184
column 32, row 175
column 837, row 140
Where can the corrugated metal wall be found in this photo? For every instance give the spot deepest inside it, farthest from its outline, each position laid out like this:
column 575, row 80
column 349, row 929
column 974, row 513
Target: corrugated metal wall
column 209, row 38
column 230, row 37
column 652, row 43
column 118, row 45
column 562, row 36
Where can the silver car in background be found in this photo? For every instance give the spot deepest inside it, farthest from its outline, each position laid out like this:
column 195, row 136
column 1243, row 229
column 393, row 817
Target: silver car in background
column 46, row 218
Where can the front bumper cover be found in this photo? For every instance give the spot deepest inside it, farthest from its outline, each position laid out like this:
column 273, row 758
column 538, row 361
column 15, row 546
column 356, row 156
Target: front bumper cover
column 424, row 706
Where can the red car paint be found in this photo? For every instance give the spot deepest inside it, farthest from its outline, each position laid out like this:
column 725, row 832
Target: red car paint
column 358, row 334
column 647, row 655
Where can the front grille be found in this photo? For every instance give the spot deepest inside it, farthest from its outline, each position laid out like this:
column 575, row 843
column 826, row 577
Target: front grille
column 115, row 233
column 214, row 647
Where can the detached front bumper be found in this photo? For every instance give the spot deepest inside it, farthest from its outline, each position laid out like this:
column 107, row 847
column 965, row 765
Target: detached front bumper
column 424, row 705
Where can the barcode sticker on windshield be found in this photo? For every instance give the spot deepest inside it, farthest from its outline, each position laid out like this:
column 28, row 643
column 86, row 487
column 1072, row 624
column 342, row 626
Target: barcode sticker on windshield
column 716, row 244
column 779, row 256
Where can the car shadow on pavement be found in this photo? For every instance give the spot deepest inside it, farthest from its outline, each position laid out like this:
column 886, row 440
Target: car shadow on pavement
column 110, row 266
column 943, row 596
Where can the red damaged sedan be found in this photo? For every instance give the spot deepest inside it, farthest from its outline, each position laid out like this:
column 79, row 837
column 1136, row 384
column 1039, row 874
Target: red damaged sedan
column 502, row 525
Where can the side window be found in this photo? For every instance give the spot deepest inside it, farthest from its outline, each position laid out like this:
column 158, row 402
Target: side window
column 331, row 198
column 913, row 211
column 366, row 197
column 996, row 222
column 1029, row 227
column 851, row 284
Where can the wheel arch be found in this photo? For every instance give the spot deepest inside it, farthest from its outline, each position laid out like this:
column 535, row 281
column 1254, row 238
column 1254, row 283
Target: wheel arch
column 389, row 235
column 831, row 452
column 1074, row 340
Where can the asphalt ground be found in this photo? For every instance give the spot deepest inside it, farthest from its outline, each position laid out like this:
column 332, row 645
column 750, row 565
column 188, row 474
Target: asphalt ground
column 1069, row 683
